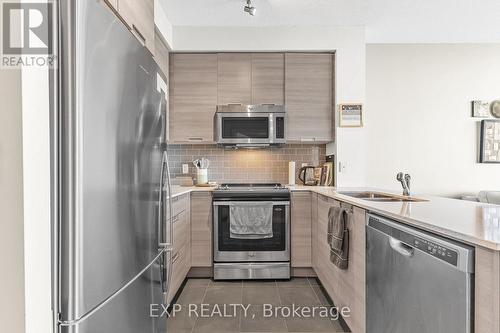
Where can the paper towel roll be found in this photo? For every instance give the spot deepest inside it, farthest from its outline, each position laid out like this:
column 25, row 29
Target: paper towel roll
column 291, row 173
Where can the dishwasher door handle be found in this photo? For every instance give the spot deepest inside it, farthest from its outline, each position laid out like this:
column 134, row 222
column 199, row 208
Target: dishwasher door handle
column 401, row 247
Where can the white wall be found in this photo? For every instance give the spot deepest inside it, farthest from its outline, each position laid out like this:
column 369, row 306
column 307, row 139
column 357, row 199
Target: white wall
column 162, row 23
column 418, row 115
column 349, row 44
column 36, row 183
column 11, row 203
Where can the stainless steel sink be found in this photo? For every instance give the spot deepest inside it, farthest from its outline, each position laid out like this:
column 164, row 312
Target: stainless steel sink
column 379, row 196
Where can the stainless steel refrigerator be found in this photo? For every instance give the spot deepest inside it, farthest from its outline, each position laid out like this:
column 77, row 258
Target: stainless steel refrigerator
column 112, row 231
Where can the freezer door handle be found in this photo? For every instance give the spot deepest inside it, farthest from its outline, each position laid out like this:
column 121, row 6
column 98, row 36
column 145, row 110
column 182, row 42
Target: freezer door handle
column 166, row 271
column 110, row 297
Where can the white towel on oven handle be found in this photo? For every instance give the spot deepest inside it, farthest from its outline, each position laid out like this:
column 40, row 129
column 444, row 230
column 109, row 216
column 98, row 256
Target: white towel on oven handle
column 251, row 220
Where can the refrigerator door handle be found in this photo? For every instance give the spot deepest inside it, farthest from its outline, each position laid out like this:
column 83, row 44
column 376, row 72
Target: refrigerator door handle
column 162, row 244
column 170, row 226
column 170, row 202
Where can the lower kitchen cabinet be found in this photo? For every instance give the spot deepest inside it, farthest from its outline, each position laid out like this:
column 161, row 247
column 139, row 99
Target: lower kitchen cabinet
column 181, row 253
column 301, row 229
column 180, row 267
column 345, row 287
column 314, row 230
column 201, row 229
column 487, row 291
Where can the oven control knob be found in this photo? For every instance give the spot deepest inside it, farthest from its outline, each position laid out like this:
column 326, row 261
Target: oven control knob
column 251, row 254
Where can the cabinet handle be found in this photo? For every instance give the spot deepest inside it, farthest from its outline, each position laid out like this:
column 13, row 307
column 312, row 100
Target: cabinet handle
column 195, row 139
column 138, row 32
column 234, row 104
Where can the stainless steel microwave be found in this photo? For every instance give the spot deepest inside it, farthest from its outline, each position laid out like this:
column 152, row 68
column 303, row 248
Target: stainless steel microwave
column 250, row 125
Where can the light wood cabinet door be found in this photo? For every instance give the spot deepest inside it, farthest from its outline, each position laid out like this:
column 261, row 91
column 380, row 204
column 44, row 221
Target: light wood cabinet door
column 487, row 291
column 139, row 15
column 301, row 229
column 180, row 267
column 201, row 229
column 345, row 287
column 161, row 54
column 309, row 96
column 314, row 230
column 234, row 78
column 181, row 252
column 193, row 97
column 327, row 275
column 268, row 78
column 351, row 292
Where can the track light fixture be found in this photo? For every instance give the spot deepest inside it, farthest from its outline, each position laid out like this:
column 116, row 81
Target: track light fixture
column 249, row 8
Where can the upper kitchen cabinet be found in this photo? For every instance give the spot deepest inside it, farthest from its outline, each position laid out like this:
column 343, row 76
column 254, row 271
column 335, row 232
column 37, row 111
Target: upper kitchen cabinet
column 139, row 16
column 309, row 96
column 161, row 53
column 245, row 78
column 193, row 97
column 234, row 78
column 268, row 78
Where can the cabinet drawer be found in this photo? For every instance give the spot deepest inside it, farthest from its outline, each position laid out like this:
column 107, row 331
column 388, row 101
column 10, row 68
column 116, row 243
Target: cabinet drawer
column 181, row 230
column 180, row 267
column 180, row 203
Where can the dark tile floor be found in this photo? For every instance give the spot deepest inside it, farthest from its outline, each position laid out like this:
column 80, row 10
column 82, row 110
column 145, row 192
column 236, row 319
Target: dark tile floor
column 211, row 306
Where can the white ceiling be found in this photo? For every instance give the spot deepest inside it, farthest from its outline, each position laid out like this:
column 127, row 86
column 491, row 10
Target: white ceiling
column 385, row 20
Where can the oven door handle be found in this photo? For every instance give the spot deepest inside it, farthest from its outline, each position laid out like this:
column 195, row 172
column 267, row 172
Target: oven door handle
column 236, row 203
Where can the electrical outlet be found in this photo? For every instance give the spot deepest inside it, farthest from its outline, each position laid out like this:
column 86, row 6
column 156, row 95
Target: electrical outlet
column 342, row 167
column 185, row 169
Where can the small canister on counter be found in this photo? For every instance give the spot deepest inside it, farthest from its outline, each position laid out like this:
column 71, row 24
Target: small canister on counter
column 201, row 165
column 201, row 176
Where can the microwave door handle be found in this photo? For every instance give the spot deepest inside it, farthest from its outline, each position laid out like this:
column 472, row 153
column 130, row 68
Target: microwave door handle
column 272, row 124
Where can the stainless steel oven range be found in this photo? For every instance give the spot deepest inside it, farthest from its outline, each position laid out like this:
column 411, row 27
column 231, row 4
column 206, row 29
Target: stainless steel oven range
column 251, row 231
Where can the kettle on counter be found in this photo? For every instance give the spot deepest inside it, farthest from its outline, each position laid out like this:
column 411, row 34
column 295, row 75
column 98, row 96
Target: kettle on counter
column 306, row 176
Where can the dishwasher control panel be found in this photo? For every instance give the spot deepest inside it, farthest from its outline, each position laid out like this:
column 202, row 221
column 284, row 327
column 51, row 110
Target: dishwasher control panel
column 436, row 250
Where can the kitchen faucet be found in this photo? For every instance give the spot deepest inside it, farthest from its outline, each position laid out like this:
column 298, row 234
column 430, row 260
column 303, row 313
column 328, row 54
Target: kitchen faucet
column 405, row 182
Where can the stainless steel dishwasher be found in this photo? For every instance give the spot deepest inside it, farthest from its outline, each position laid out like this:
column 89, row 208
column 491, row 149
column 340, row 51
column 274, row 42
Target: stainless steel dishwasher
column 416, row 282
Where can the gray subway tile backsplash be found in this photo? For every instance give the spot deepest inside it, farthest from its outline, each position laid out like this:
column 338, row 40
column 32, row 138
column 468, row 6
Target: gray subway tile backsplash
column 243, row 165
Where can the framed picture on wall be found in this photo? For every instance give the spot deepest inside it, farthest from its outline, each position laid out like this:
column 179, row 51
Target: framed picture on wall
column 490, row 141
column 351, row 115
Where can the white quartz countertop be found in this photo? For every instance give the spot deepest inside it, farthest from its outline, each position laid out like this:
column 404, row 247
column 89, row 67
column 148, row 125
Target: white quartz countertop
column 470, row 222
column 180, row 190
